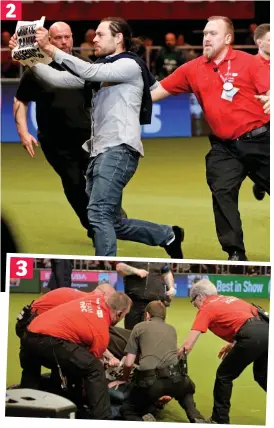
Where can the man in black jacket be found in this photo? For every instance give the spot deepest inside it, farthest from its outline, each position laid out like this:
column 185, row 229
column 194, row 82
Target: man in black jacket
column 145, row 282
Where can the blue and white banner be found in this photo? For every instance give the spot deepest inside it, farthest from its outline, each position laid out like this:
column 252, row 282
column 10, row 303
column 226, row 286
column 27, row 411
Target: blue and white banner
column 171, row 117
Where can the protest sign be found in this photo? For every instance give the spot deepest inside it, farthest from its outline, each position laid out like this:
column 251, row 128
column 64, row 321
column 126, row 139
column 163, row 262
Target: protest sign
column 27, row 51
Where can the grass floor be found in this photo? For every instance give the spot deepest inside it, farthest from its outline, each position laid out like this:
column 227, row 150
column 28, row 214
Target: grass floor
column 248, row 404
column 169, row 187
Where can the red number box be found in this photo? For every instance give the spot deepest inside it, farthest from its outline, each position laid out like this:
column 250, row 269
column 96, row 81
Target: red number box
column 11, row 10
column 21, row 267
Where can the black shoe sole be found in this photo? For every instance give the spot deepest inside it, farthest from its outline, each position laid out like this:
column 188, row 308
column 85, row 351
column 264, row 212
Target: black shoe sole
column 238, row 259
column 258, row 194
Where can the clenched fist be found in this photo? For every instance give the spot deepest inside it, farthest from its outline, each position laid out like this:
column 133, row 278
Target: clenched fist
column 42, row 37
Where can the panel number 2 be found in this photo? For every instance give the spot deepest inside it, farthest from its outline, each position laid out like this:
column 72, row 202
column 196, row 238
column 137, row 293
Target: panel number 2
column 11, row 10
column 21, row 268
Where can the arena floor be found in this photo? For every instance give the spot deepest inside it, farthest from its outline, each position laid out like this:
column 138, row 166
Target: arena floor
column 169, row 187
column 248, row 405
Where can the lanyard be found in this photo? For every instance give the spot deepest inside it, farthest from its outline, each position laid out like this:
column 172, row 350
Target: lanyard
column 227, row 74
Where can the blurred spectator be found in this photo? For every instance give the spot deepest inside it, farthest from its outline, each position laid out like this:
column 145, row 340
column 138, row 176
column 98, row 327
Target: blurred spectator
column 189, row 54
column 87, row 47
column 148, row 42
column 169, row 57
column 252, row 270
column 138, row 47
column 108, row 265
column 204, row 269
column 47, row 263
column 93, row 264
column 9, row 68
column 249, row 40
column 195, row 268
column 99, row 265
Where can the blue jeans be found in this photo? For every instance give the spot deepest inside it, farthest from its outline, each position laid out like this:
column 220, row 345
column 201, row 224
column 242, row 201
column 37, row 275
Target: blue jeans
column 117, row 398
column 107, row 175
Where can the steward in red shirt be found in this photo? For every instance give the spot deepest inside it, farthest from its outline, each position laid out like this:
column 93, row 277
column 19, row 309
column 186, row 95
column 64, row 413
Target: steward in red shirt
column 237, row 322
column 73, row 337
column 262, row 40
column 52, row 299
column 226, row 83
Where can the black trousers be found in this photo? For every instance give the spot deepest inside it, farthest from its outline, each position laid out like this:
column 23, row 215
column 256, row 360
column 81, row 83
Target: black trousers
column 75, row 361
column 70, row 162
column 61, row 270
column 227, row 165
column 251, row 347
column 136, row 314
column 142, row 398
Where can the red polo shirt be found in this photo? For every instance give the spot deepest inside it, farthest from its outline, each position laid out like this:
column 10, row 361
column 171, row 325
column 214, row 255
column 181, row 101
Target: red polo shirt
column 262, row 61
column 55, row 298
column 85, row 320
column 227, row 120
column 223, row 315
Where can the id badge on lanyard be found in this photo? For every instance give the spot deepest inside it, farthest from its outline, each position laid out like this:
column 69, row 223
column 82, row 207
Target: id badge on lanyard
column 228, row 89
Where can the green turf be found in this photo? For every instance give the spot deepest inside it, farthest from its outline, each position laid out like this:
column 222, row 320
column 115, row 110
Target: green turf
column 248, row 404
column 169, row 187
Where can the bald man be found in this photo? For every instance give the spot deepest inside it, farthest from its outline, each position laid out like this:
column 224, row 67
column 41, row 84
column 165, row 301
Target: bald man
column 169, row 57
column 87, row 47
column 63, row 125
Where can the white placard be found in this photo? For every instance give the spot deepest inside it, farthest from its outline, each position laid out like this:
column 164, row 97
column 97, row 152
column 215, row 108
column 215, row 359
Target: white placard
column 27, row 51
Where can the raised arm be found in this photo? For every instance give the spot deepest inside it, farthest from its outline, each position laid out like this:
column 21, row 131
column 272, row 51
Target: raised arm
column 123, row 70
column 56, row 78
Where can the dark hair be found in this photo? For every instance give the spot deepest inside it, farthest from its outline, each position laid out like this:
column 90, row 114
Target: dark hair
column 137, row 46
column 261, row 31
column 119, row 25
column 156, row 309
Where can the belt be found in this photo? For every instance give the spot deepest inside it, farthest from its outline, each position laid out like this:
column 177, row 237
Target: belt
column 165, row 372
column 254, row 133
column 249, row 320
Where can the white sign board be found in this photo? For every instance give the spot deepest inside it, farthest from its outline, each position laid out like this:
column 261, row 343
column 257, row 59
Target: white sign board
column 27, row 51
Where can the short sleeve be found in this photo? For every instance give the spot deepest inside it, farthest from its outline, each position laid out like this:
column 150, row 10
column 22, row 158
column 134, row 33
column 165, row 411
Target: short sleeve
column 133, row 342
column 177, row 82
column 165, row 269
column 202, row 321
column 260, row 75
column 28, row 87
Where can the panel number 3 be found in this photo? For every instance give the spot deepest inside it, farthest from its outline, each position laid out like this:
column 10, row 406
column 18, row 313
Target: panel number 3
column 22, row 268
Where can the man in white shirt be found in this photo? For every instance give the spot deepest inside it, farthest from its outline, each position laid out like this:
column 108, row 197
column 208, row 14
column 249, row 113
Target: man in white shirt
column 119, row 102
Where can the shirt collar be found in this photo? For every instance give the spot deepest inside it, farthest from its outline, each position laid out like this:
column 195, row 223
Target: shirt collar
column 267, row 61
column 156, row 319
column 115, row 54
column 231, row 54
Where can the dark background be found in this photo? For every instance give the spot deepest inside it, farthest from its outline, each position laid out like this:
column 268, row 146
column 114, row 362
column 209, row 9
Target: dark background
column 156, row 29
